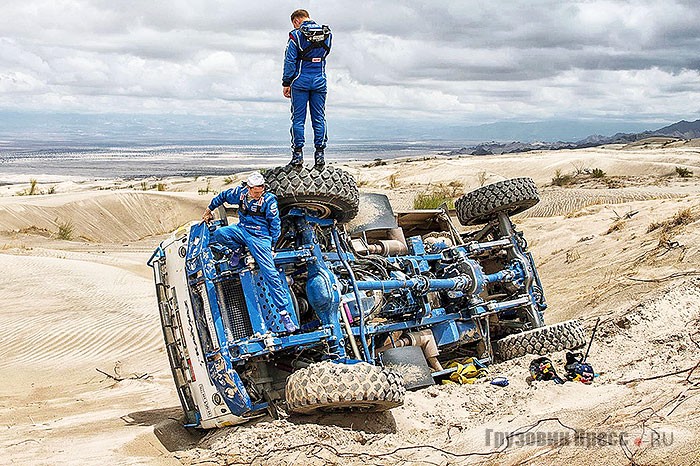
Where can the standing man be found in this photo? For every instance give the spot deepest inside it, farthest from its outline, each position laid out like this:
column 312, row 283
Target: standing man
column 258, row 228
column 304, row 81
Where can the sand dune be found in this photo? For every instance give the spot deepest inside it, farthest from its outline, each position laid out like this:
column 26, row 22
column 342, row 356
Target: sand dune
column 68, row 308
column 538, row 165
column 565, row 201
column 101, row 216
column 68, row 315
column 61, row 320
column 644, row 174
column 446, row 425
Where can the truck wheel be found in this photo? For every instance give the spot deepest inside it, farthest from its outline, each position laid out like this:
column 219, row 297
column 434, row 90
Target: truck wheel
column 330, row 387
column 330, row 193
column 557, row 337
column 510, row 196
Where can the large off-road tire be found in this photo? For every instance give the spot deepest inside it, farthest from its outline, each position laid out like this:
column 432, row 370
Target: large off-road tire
column 557, row 337
column 333, row 387
column 330, row 193
column 510, row 196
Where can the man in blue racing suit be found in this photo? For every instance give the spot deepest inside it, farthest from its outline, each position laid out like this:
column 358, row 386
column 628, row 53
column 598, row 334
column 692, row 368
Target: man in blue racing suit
column 258, row 228
column 304, row 81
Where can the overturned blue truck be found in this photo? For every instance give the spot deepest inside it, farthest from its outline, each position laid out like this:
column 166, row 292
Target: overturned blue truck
column 372, row 292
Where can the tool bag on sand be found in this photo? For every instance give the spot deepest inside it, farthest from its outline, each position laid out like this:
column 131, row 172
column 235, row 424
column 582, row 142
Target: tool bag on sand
column 577, row 369
column 542, row 369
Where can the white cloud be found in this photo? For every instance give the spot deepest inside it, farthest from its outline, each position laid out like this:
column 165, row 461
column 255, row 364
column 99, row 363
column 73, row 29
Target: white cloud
column 473, row 61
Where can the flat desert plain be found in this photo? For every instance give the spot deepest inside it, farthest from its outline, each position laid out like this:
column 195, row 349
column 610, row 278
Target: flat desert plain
column 85, row 379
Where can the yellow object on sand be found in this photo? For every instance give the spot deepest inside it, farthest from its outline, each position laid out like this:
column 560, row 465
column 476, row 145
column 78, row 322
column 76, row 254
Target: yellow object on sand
column 467, row 371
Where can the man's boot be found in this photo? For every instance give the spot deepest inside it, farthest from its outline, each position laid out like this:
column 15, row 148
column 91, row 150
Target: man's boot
column 319, row 161
column 297, row 157
column 286, row 320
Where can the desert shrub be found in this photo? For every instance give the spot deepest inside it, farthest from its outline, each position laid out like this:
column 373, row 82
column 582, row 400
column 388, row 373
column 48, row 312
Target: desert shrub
column 393, row 180
column 561, row 179
column 455, row 186
column 432, row 200
column 579, row 169
column 683, row 172
column 482, row 177
column 31, row 190
column 377, row 163
column 665, row 238
column 32, row 187
column 438, row 195
column 682, row 217
column 228, row 180
column 613, row 184
column 597, row 173
column 52, row 190
column 65, row 230
column 205, row 190
column 160, row 186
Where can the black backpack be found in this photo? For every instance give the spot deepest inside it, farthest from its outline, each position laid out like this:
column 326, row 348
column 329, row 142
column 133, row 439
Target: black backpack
column 317, row 36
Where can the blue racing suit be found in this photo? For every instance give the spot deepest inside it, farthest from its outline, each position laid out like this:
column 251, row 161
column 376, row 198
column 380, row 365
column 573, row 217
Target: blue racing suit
column 305, row 73
column 258, row 228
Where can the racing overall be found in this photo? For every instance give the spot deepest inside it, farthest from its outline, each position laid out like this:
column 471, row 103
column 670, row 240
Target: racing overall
column 258, row 228
column 305, row 72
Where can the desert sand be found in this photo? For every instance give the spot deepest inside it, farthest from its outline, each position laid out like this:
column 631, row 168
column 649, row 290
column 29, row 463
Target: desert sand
column 86, row 379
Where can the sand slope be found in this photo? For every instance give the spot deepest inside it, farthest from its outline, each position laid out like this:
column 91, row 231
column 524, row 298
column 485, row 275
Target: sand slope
column 101, row 216
column 68, row 308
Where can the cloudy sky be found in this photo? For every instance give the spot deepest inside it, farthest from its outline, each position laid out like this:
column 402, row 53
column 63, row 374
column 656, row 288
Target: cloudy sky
column 466, row 62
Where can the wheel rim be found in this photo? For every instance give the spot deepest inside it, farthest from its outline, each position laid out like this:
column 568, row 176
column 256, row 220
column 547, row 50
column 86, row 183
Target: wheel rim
column 318, row 209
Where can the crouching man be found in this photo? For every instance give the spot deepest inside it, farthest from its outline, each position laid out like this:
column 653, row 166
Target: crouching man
column 258, row 228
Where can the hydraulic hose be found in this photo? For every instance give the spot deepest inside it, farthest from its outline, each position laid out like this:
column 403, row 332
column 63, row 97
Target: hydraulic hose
column 343, row 260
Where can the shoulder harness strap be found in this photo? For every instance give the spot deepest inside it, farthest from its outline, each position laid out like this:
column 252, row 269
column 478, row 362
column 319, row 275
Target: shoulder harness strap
column 243, row 208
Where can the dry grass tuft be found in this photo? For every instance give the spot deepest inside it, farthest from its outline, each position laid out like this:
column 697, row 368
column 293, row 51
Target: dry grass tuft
column 432, row 200
column 561, row 179
column 616, row 226
column 684, row 172
column 207, row 189
column 572, row 256
column 393, row 180
column 32, row 187
column 680, row 218
column 65, row 230
column 438, row 195
column 597, row 173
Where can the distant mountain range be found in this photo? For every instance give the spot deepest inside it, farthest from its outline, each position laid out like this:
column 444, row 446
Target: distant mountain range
column 682, row 130
column 24, row 129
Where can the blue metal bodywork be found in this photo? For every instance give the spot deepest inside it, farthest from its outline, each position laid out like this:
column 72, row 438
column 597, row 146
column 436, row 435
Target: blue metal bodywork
column 235, row 331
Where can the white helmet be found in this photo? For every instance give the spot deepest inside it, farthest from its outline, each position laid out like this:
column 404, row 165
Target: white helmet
column 255, row 179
